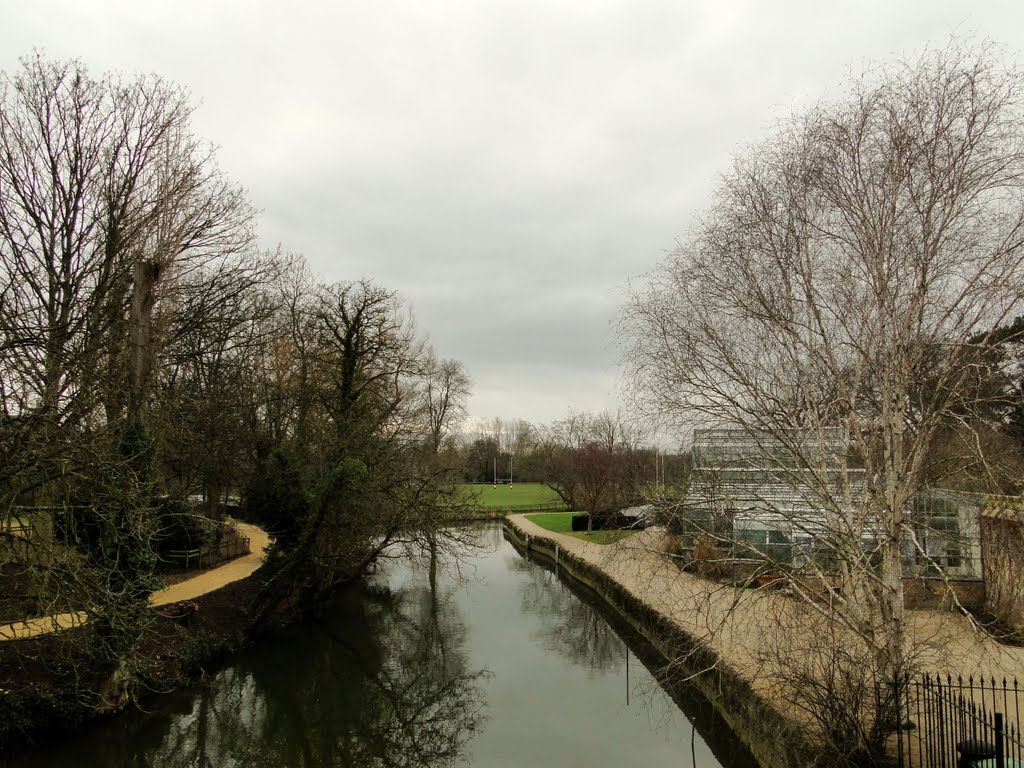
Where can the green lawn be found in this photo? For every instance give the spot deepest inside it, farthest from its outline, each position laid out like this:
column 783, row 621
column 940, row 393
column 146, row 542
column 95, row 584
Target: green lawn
column 561, row 522
column 518, row 496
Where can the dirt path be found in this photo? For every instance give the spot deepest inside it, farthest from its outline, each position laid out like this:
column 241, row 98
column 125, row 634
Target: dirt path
column 189, row 589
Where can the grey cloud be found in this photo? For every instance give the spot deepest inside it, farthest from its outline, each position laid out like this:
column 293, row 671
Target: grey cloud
column 507, row 166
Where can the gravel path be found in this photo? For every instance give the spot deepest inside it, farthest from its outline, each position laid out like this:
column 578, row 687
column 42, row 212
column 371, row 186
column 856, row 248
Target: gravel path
column 746, row 628
column 189, row 589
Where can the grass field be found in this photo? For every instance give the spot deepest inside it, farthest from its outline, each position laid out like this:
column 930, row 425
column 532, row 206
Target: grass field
column 518, row 496
column 561, row 522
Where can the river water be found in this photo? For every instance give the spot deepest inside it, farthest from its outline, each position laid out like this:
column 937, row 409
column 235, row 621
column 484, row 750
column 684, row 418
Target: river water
column 490, row 660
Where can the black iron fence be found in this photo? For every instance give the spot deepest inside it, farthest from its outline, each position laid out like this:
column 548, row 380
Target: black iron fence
column 948, row 722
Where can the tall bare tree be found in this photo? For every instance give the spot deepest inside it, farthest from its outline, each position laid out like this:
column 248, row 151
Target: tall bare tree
column 446, row 388
column 365, row 478
column 54, row 125
column 110, row 209
column 845, row 278
column 107, row 196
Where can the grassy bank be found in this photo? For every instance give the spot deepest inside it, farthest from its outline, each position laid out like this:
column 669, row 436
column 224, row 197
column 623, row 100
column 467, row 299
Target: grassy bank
column 561, row 522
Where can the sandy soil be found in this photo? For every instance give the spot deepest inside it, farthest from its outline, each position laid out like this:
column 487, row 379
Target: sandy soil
column 188, row 589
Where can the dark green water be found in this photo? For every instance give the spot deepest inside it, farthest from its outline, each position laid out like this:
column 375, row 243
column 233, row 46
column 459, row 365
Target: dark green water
column 491, row 662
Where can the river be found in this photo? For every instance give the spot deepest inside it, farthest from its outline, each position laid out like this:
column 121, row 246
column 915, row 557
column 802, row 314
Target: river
column 487, row 660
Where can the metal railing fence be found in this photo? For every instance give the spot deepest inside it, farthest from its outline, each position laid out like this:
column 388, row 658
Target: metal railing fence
column 947, row 722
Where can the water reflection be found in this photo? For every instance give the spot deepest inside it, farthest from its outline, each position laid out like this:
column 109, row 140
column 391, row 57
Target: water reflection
column 394, row 675
column 568, row 626
column 574, row 624
column 383, row 681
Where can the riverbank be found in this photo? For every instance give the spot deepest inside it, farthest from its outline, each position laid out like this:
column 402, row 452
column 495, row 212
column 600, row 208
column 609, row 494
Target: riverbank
column 39, row 677
column 196, row 622
column 775, row 741
column 741, row 644
column 195, row 585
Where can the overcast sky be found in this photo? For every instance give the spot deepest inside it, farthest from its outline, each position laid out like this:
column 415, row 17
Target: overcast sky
column 506, row 165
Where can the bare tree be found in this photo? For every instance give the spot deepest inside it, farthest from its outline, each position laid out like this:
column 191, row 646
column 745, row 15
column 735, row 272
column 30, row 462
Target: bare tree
column 844, row 280
column 203, row 422
column 54, row 124
column 589, row 462
column 109, row 207
column 106, row 196
column 522, row 438
column 360, row 471
column 446, row 387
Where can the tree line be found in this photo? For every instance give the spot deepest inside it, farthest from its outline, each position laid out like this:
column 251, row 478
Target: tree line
column 153, row 359
column 597, row 462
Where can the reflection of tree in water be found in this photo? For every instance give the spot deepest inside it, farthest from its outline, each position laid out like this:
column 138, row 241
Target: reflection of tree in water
column 383, row 683
column 436, row 619
column 437, row 569
column 569, row 626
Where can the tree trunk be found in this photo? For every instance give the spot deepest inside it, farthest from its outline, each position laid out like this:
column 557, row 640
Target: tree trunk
column 146, row 273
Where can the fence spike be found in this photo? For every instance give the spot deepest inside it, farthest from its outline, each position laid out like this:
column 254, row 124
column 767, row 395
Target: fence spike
column 968, row 711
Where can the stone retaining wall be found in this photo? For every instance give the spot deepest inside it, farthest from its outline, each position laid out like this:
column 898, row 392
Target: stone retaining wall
column 774, row 740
